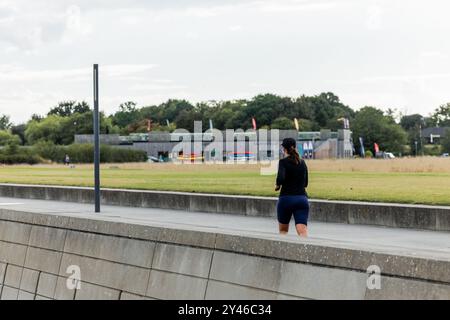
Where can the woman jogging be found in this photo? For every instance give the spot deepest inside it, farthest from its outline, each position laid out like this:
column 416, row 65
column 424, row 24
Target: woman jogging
column 292, row 179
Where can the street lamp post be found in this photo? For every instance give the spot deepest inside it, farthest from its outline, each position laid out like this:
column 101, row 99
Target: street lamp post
column 96, row 143
column 422, row 122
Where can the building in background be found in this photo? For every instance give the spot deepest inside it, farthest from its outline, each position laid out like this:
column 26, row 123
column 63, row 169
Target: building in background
column 237, row 145
column 434, row 135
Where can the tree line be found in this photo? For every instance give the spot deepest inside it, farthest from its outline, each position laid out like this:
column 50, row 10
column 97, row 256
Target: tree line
column 391, row 132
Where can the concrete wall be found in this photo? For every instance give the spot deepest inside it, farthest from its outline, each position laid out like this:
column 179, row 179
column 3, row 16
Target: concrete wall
column 128, row 261
column 112, row 139
column 389, row 215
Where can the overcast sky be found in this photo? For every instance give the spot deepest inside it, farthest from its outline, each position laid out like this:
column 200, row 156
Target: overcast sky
column 389, row 54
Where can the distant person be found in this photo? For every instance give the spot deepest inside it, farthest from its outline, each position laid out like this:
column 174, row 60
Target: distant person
column 67, row 160
column 292, row 179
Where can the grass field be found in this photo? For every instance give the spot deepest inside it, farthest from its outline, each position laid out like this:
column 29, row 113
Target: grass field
column 421, row 180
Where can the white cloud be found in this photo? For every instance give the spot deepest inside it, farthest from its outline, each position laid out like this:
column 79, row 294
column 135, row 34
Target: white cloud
column 10, row 73
column 374, row 17
column 235, row 28
column 75, row 24
column 299, row 5
column 241, row 48
column 154, row 86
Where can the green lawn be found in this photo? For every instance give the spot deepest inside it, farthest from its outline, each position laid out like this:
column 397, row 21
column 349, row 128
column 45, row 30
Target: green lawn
column 426, row 188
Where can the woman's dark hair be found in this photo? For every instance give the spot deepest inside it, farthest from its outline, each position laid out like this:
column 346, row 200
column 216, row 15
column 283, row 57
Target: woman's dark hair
column 289, row 145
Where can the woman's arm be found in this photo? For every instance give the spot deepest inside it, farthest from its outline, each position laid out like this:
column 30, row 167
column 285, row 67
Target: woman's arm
column 281, row 176
column 306, row 175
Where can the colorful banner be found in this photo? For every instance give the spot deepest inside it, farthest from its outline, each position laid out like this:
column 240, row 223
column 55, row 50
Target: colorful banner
column 362, row 150
column 296, row 124
column 377, row 148
column 254, row 123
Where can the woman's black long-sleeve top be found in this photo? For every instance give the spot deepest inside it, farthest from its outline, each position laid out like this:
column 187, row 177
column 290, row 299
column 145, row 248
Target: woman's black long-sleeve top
column 292, row 177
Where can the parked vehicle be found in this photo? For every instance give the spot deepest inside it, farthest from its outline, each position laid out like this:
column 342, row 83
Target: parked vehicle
column 385, row 155
column 154, row 159
column 241, row 156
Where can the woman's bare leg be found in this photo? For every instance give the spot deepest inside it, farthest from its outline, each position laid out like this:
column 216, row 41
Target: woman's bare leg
column 302, row 230
column 284, row 228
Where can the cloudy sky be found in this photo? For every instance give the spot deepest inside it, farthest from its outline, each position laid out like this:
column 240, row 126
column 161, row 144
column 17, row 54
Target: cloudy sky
column 386, row 53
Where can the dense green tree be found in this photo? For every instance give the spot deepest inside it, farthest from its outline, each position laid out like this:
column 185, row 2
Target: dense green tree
column 48, row 129
column 412, row 121
column 19, row 130
column 441, row 116
column 305, row 125
column 282, row 123
column 375, row 127
column 327, row 110
column 413, row 124
column 68, row 108
column 61, row 130
column 81, row 107
column 36, row 117
column 5, row 122
column 314, row 113
column 322, row 111
column 7, row 137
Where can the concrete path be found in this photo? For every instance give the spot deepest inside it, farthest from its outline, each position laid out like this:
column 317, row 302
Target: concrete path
column 418, row 243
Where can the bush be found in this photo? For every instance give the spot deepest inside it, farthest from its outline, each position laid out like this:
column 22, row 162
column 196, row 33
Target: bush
column 19, row 158
column 13, row 154
column 368, row 154
column 49, row 150
column 84, row 153
column 7, row 138
column 432, row 150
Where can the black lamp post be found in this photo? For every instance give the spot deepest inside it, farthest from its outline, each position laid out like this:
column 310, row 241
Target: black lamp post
column 96, row 143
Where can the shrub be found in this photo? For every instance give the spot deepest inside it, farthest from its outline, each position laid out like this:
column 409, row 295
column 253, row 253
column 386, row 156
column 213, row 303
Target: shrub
column 368, row 154
column 48, row 150
column 84, row 153
column 19, row 158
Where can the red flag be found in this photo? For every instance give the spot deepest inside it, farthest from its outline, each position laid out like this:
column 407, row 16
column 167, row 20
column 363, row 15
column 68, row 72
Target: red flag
column 254, row 123
column 377, row 148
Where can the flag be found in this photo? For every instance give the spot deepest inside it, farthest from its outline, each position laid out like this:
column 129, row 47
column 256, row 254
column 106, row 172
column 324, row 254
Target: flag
column 376, row 147
column 363, row 152
column 149, row 124
column 254, row 123
column 167, row 122
column 296, row 123
column 210, row 124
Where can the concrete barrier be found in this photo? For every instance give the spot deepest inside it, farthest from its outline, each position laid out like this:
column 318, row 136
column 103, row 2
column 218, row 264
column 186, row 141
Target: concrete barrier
column 119, row 260
column 436, row 218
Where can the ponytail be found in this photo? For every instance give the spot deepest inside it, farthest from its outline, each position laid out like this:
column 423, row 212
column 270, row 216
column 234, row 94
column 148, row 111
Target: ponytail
column 294, row 155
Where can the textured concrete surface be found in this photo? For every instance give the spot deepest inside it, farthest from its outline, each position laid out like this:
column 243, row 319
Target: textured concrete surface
column 141, row 253
column 435, row 218
column 388, row 240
